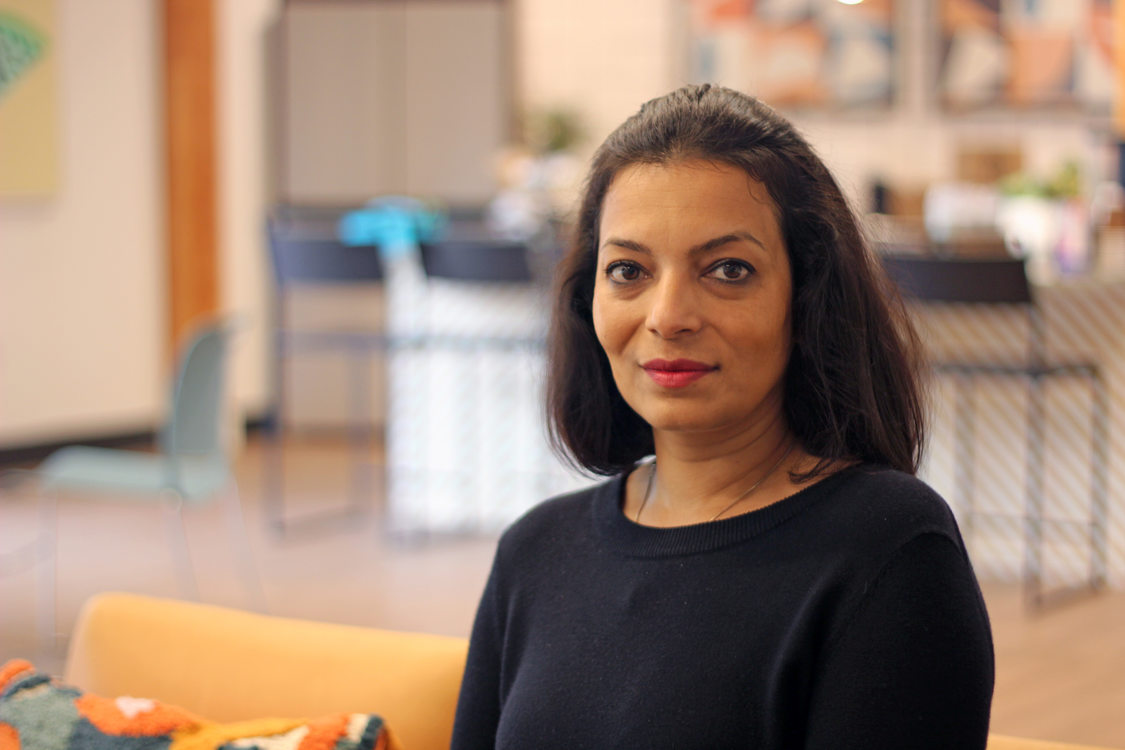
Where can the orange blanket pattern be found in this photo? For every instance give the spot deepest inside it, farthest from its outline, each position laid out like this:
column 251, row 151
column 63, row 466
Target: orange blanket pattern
column 39, row 712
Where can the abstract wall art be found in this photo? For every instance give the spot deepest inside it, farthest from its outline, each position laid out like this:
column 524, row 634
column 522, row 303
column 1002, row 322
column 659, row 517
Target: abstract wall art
column 797, row 53
column 28, row 98
column 1026, row 54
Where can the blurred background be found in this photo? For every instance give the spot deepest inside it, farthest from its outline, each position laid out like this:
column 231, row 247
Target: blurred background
column 372, row 195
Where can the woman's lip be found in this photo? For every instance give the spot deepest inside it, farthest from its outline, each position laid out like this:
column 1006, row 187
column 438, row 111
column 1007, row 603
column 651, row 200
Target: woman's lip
column 675, row 378
column 676, row 373
column 677, row 365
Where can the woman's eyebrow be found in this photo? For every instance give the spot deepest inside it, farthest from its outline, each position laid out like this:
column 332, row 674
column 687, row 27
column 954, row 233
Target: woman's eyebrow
column 725, row 239
column 694, row 250
column 627, row 244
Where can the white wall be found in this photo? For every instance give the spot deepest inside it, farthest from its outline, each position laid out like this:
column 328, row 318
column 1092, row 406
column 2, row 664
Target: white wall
column 83, row 308
column 602, row 59
column 82, row 311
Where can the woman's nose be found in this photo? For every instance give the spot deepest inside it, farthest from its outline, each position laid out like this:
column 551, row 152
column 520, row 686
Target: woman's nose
column 673, row 308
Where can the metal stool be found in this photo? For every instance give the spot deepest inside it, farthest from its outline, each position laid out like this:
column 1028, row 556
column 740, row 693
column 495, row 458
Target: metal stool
column 939, row 280
column 304, row 251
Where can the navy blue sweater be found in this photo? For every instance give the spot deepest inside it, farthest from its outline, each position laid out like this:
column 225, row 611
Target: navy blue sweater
column 844, row 616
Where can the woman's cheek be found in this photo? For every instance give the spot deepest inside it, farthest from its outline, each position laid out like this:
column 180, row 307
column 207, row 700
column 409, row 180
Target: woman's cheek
column 600, row 323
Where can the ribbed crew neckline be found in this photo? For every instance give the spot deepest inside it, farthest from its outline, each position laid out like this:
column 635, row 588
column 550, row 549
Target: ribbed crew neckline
column 636, row 540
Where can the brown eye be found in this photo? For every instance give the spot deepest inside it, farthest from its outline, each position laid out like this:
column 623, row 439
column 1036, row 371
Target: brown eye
column 731, row 270
column 623, row 272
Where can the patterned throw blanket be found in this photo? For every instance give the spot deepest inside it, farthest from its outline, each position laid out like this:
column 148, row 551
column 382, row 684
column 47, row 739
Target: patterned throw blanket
column 41, row 713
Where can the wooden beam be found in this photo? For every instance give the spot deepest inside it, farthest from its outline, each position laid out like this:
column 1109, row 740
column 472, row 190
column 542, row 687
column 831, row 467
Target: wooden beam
column 190, row 162
column 1118, row 11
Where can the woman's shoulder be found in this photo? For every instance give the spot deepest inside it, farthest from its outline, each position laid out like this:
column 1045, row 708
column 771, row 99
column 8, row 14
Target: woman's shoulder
column 883, row 507
column 560, row 515
column 881, row 484
column 885, row 481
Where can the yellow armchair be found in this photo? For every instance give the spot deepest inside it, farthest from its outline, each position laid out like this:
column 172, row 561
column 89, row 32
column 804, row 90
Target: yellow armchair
column 999, row 742
column 228, row 665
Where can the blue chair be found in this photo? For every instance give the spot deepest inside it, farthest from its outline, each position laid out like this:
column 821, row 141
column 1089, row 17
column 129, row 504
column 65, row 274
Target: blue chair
column 191, row 467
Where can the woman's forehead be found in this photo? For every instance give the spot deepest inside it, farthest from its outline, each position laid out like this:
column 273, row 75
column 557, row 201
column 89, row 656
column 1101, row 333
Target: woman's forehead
column 688, row 196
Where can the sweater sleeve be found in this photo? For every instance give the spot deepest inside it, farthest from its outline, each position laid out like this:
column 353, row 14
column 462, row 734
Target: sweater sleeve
column 914, row 665
column 478, row 706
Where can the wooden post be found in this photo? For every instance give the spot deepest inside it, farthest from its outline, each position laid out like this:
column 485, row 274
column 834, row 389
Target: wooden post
column 189, row 131
column 1119, row 69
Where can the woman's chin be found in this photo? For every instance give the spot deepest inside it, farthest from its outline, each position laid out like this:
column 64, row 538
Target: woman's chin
column 687, row 419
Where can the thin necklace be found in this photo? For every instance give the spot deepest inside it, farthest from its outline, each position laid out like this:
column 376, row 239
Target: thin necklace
column 736, row 501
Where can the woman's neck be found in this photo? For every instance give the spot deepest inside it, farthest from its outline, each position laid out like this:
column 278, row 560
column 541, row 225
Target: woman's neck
column 698, row 478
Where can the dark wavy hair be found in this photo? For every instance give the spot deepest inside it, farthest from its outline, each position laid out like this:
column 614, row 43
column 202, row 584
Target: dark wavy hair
column 853, row 388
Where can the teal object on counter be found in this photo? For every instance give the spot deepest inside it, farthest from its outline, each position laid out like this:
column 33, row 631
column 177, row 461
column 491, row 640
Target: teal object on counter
column 395, row 224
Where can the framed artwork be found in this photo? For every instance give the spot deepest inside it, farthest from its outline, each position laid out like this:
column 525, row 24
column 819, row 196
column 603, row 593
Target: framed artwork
column 28, row 98
column 1026, row 54
column 797, row 53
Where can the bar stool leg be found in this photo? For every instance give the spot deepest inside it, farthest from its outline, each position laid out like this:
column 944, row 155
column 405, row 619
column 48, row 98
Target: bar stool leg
column 1033, row 515
column 1098, row 483
column 273, row 462
column 964, row 435
column 361, row 433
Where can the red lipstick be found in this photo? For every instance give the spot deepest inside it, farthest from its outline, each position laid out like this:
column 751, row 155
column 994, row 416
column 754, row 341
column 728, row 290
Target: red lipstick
column 676, row 373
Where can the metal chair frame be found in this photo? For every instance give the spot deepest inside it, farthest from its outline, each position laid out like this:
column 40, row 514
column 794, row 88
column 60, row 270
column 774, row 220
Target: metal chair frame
column 190, row 468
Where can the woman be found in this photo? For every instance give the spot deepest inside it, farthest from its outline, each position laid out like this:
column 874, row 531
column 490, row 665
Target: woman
column 776, row 577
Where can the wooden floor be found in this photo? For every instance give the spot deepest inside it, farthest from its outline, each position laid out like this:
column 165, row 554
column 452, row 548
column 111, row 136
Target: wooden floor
column 1061, row 673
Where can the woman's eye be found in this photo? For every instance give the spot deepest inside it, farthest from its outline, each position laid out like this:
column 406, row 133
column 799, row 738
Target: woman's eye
column 731, row 270
column 622, row 272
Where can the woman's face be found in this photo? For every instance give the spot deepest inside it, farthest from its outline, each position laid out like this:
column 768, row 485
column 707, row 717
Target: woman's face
column 692, row 296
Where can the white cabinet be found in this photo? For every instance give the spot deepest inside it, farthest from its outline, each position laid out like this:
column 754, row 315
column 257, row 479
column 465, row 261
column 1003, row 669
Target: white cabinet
column 383, row 98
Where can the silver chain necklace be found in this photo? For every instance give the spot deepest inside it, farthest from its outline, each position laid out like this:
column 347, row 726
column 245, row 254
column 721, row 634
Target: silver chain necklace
column 749, row 491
